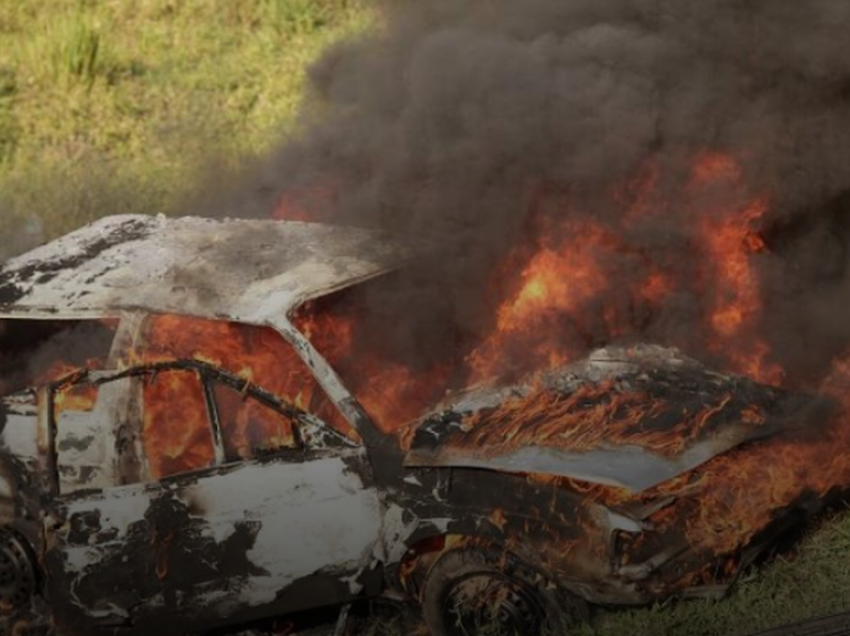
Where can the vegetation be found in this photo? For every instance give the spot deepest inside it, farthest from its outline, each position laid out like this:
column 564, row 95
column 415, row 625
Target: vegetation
column 111, row 106
column 117, row 105
column 810, row 581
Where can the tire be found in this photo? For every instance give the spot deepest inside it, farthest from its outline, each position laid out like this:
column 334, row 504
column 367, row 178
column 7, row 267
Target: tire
column 472, row 592
column 17, row 577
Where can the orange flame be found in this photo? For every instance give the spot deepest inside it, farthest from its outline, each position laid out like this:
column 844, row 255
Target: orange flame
column 390, row 392
column 730, row 243
column 257, row 355
column 593, row 414
column 731, row 498
column 555, row 283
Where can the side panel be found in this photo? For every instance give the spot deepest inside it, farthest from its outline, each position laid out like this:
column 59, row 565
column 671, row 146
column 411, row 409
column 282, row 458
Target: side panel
column 19, row 463
column 237, row 542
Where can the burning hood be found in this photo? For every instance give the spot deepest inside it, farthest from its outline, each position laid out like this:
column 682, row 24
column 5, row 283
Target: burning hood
column 249, row 271
column 625, row 417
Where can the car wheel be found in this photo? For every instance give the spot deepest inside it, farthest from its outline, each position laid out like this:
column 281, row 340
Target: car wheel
column 469, row 592
column 17, row 574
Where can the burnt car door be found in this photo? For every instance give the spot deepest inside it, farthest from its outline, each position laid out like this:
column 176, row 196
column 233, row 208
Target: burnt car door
column 245, row 507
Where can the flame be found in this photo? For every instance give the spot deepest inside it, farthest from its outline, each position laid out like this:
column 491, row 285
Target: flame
column 565, row 281
column 176, row 418
column 391, row 392
column 70, row 396
column 176, row 429
column 249, row 427
column 79, row 398
column 731, row 244
column 709, row 168
column 595, row 415
column 727, row 501
column 555, row 283
column 393, row 395
column 562, row 294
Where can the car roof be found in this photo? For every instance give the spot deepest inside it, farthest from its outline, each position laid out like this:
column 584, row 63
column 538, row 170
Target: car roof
column 251, row 271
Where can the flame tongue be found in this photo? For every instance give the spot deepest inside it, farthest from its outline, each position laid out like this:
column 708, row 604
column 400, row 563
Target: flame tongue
column 580, row 282
column 577, row 283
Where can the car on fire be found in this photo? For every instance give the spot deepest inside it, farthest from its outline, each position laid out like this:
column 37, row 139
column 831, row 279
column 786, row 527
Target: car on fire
column 603, row 482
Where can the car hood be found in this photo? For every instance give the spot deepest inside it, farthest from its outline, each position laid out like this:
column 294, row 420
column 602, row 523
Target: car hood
column 627, row 417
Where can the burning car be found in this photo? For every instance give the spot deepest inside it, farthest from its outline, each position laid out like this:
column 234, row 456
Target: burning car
column 150, row 486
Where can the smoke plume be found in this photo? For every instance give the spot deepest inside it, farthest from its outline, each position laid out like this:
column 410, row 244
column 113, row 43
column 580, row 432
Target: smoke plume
column 503, row 124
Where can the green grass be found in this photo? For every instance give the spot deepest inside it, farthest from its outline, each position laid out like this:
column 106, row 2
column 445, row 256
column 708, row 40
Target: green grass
column 118, row 105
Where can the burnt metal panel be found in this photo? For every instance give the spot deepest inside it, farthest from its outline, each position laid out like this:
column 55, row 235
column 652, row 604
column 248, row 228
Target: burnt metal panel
column 212, row 545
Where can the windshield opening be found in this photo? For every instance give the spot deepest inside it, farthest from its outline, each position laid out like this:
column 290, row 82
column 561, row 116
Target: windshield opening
column 388, row 347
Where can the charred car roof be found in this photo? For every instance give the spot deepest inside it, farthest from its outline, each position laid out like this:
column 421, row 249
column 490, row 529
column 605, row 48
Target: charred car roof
column 608, row 419
column 241, row 270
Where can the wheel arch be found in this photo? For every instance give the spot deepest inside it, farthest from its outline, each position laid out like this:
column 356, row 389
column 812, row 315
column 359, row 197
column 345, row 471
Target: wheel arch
column 422, row 555
column 470, row 558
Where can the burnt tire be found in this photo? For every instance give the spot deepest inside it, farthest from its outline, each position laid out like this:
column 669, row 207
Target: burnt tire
column 471, row 592
column 17, row 574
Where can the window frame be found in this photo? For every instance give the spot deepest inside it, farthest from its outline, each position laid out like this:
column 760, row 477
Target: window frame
column 265, row 399
column 208, row 375
column 154, row 369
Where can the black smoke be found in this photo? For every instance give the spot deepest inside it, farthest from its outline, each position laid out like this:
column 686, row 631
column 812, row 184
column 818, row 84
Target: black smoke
column 472, row 120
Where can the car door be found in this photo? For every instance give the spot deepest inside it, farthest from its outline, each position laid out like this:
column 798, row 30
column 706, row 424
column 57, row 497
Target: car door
column 241, row 516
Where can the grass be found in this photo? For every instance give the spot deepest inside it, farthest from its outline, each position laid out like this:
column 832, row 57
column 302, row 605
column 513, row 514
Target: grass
column 118, row 105
column 813, row 581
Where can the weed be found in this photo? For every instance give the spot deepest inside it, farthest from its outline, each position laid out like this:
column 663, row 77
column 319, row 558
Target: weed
column 80, row 54
column 9, row 129
column 299, row 17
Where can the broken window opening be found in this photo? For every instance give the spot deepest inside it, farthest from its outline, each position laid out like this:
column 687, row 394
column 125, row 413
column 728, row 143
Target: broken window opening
column 260, row 356
column 249, row 428
column 176, row 433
